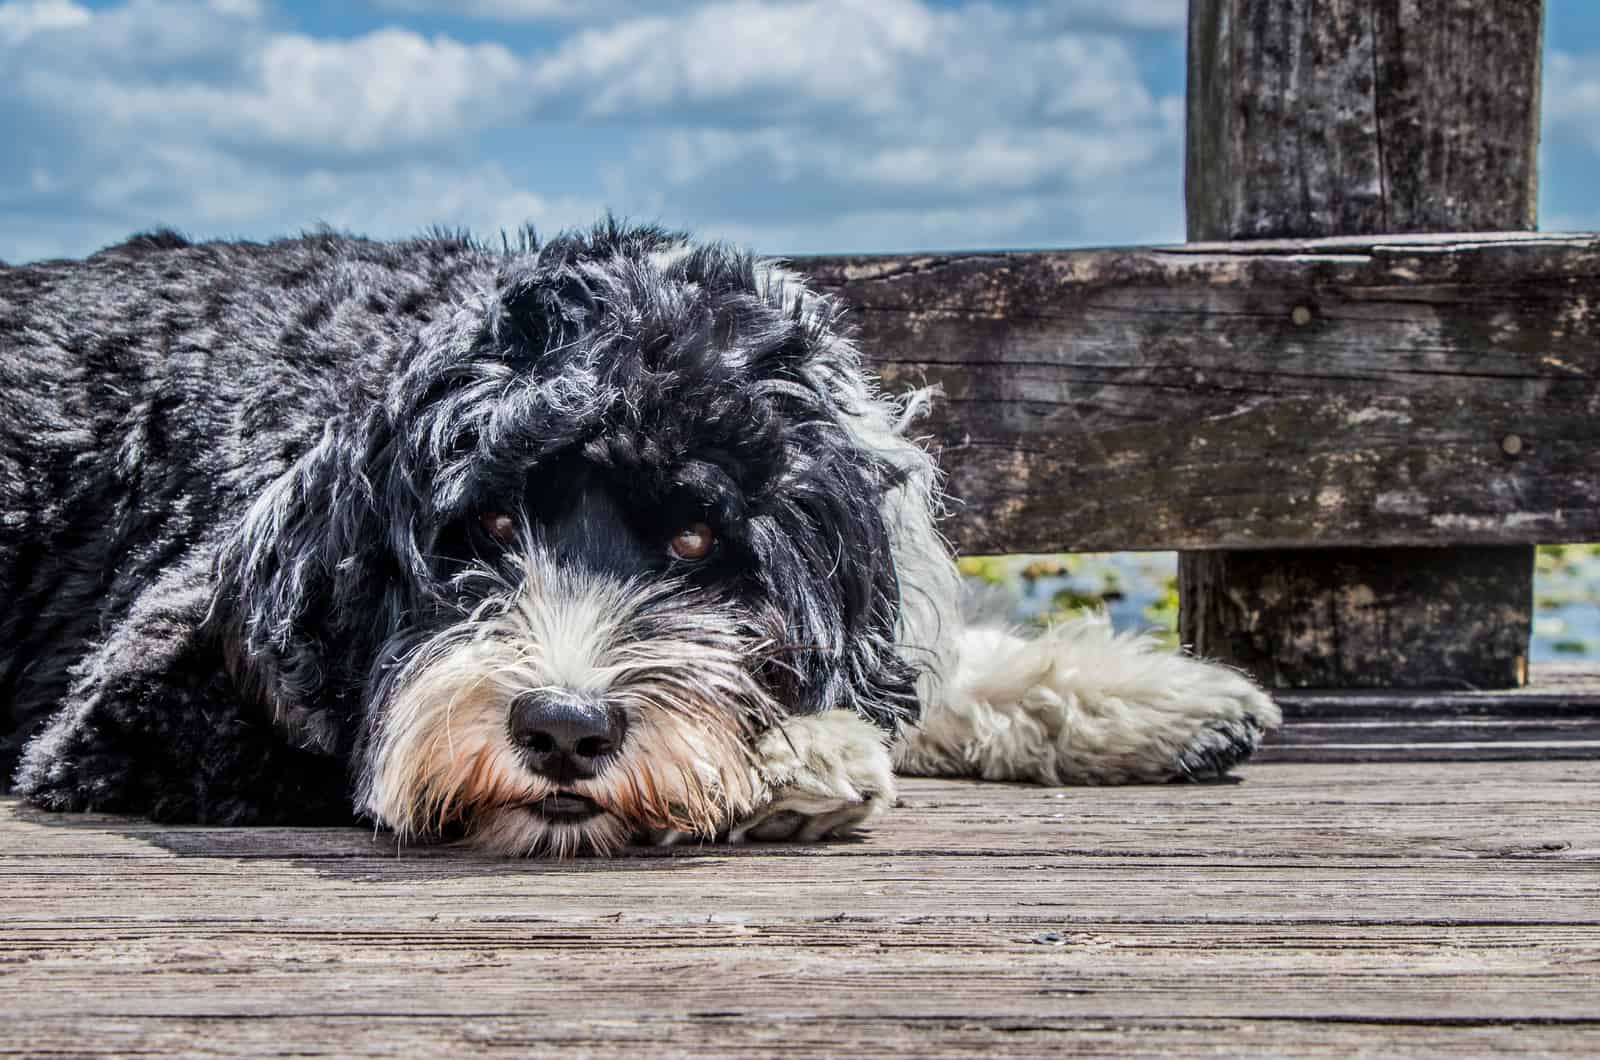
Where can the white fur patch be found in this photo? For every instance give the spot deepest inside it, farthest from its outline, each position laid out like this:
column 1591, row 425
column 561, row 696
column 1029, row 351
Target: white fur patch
column 823, row 774
column 1079, row 704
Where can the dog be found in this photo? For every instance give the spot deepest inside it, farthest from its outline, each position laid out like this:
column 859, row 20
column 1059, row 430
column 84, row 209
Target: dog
column 547, row 548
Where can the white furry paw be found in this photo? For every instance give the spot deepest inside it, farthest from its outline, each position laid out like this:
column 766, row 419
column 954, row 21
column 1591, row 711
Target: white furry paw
column 1079, row 704
column 825, row 775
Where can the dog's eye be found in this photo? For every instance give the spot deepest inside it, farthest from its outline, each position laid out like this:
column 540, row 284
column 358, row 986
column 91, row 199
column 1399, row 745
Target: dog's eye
column 499, row 526
column 693, row 542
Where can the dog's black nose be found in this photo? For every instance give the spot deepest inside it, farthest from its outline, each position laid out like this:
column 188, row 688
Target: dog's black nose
column 566, row 736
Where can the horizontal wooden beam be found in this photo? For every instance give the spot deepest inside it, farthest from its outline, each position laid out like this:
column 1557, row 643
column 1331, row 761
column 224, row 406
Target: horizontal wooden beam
column 1556, row 715
column 1412, row 390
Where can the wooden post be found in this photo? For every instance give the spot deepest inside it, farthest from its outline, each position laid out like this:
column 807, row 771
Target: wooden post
column 1354, row 117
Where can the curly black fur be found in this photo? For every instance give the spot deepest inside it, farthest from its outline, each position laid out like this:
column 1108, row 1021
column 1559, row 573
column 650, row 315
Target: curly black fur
column 238, row 480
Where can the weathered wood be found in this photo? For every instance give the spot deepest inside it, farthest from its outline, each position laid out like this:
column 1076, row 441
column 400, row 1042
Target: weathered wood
column 721, row 1033
column 1343, row 392
column 1295, row 814
column 1556, row 715
column 1364, row 618
column 1351, row 117
column 1346, row 117
column 1319, row 910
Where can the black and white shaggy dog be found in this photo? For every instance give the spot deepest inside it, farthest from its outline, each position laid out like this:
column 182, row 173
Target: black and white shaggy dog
column 549, row 549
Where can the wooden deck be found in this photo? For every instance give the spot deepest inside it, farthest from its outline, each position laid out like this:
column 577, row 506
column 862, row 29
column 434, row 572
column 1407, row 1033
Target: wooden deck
column 1314, row 909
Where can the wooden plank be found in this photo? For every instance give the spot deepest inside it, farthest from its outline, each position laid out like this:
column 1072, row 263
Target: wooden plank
column 1441, row 390
column 936, row 820
column 987, row 975
column 1556, row 715
column 738, row 1033
column 1344, row 745
column 1326, row 910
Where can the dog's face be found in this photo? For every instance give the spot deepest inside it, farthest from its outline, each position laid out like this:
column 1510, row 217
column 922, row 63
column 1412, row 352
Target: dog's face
column 611, row 523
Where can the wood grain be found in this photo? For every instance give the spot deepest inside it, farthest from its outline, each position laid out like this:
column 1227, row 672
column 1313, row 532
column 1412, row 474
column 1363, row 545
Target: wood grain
column 1412, row 618
column 1154, row 398
column 1324, row 910
column 1354, row 117
column 732, row 1033
column 1555, row 715
column 1338, row 117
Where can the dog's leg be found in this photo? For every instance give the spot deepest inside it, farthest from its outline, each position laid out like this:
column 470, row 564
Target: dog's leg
column 96, row 752
column 1078, row 704
column 820, row 775
column 152, row 725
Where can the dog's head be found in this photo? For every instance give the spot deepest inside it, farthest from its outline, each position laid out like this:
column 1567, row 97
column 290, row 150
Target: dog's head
column 613, row 519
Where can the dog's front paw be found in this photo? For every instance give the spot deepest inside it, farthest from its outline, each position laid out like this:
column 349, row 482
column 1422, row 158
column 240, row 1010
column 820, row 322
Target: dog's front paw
column 72, row 766
column 824, row 775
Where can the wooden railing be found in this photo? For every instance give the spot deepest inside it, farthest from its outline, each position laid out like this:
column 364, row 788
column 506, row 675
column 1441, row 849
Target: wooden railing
column 1411, row 390
column 1354, row 418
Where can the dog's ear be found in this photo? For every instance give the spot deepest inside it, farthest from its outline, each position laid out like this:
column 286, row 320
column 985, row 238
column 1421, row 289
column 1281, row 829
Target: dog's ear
column 827, row 563
column 299, row 595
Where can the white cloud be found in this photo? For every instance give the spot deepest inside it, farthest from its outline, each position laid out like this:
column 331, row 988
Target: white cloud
column 965, row 95
column 202, row 116
column 944, row 119
column 386, row 87
column 1570, row 140
column 849, row 54
column 800, row 124
column 1116, row 216
column 225, row 195
column 868, row 229
column 1123, row 14
column 485, row 199
column 148, row 36
column 1571, row 97
column 827, row 59
column 529, row 10
column 218, row 80
column 25, row 18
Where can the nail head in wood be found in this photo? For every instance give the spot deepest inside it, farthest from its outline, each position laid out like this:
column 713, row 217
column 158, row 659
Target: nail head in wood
column 1301, row 315
column 1511, row 444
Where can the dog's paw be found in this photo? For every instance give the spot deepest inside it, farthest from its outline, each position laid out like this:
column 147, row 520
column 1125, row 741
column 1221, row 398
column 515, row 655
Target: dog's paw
column 824, row 775
column 1226, row 714
column 58, row 767
column 1217, row 747
column 1212, row 720
column 1081, row 704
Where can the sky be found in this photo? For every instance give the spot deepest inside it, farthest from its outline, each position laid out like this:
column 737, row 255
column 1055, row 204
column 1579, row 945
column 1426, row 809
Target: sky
column 792, row 126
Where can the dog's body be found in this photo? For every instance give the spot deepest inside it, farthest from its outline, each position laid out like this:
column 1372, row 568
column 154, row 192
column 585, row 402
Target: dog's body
column 551, row 549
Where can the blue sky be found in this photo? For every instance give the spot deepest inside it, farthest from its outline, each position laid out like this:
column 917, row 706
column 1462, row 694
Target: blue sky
column 794, row 126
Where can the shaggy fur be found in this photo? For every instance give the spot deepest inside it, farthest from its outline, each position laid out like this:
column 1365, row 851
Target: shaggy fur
column 245, row 575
